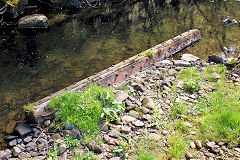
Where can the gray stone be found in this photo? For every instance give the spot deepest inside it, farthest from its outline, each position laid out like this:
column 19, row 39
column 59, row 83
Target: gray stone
column 9, row 138
column 74, row 132
column 12, row 143
column 134, row 114
column 94, row 147
column 103, row 127
column 147, row 117
column 198, row 144
column 114, row 133
column 33, row 21
column 128, row 119
column 126, row 129
column 148, row 103
column 192, row 144
column 164, row 132
column 23, row 129
column 16, row 151
column 189, row 155
column 47, row 123
column 55, row 136
column 202, row 69
column 5, row 154
column 23, row 155
column 172, row 72
column 181, row 63
column 187, row 124
column 63, row 156
column 143, row 110
column 154, row 136
column 215, row 58
column 215, row 75
column 27, row 139
column 62, row 148
column 189, row 58
column 121, row 96
column 138, row 123
column 33, row 154
column 36, row 132
column 163, row 63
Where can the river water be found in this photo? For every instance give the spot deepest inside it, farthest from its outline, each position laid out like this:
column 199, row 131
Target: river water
column 35, row 64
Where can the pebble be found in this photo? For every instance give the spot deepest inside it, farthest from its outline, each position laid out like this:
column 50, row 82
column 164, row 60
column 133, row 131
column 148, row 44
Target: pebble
column 198, row 144
column 192, row 144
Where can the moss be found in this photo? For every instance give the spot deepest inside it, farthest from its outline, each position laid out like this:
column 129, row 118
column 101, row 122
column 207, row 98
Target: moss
column 149, row 54
column 28, row 108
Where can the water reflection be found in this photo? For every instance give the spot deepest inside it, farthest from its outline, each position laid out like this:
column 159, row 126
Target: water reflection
column 36, row 64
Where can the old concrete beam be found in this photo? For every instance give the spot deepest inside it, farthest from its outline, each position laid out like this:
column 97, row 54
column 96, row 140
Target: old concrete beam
column 122, row 70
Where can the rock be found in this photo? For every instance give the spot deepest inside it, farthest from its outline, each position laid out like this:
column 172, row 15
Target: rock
column 134, row 114
column 187, row 124
column 24, row 155
column 209, row 154
column 62, row 148
column 164, row 132
column 198, row 144
column 115, row 158
column 121, row 96
column 154, row 136
column 189, row 155
column 103, row 127
column 166, row 88
column 16, row 151
column 138, row 87
column 192, row 144
column 23, row 129
column 211, row 144
column 172, row 72
column 148, row 103
column 216, row 59
column 215, row 75
column 114, row 133
column 125, row 129
column 36, row 132
column 5, row 154
column 39, row 158
column 143, row 110
column 147, row 117
column 139, row 123
column 33, row 154
column 47, row 123
column 237, row 149
column 9, row 138
column 163, row 63
column 33, row 21
column 55, row 136
column 181, row 63
column 128, row 119
column 27, row 139
column 74, row 132
column 63, row 155
column 189, row 58
column 12, row 143
column 94, row 147
column 202, row 69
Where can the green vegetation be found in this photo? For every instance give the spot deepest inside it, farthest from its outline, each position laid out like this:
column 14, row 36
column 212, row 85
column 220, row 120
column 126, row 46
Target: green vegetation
column 177, row 109
column 178, row 147
column 28, row 108
column 146, row 156
column 85, row 109
column 149, row 54
column 53, row 153
column 85, row 156
column 71, row 141
column 192, row 86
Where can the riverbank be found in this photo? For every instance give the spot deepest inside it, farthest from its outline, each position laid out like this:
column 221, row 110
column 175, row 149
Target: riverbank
column 173, row 109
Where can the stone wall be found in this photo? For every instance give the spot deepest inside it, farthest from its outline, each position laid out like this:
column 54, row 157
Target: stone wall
column 122, row 70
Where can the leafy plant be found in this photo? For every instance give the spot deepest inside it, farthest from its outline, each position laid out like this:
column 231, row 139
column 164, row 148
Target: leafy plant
column 110, row 114
column 178, row 108
column 124, row 149
column 85, row 156
column 29, row 107
column 53, row 153
column 192, row 85
column 149, row 54
column 71, row 141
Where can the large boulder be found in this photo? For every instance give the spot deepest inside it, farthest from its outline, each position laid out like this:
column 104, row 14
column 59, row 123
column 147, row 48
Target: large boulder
column 33, row 21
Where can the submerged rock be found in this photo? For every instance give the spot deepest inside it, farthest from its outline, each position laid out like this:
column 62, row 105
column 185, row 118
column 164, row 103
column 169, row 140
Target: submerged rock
column 33, row 21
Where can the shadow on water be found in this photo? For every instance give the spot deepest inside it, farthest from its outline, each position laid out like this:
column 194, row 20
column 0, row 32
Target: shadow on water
column 36, row 64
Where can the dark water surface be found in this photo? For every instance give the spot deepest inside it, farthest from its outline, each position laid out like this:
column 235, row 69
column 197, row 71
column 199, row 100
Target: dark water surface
column 36, row 64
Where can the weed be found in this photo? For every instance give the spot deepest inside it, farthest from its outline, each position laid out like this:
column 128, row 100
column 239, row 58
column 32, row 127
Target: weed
column 178, row 146
column 146, row 156
column 85, row 156
column 149, row 54
column 70, row 141
column 192, row 86
column 125, row 87
column 110, row 114
column 178, row 108
column 29, row 107
column 53, row 153
column 124, row 149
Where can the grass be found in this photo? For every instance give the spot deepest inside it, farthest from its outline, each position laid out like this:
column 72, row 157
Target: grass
column 28, row 108
column 149, row 54
column 177, row 109
column 146, row 156
column 192, row 86
column 178, row 147
column 70, row 141
column 84, row 109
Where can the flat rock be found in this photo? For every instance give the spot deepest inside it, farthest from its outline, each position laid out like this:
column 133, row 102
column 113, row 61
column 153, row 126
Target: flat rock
column 126, row 129
column 23, row 129
column 189, row 58
column 134, row 114
column 181, row 63
column 13, row 143
column 94, row 147
column 128, row 119
column 143, row 110
column 148, row 103
column 121, row 96
column 154, row 136
column 198, row 144
column 163, row 63
column 139, row 123
column 33, row 21
column 114, row 133
column 16, row 151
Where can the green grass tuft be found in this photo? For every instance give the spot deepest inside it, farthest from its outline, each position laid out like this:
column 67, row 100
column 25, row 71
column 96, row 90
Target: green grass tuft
column 149, row 54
